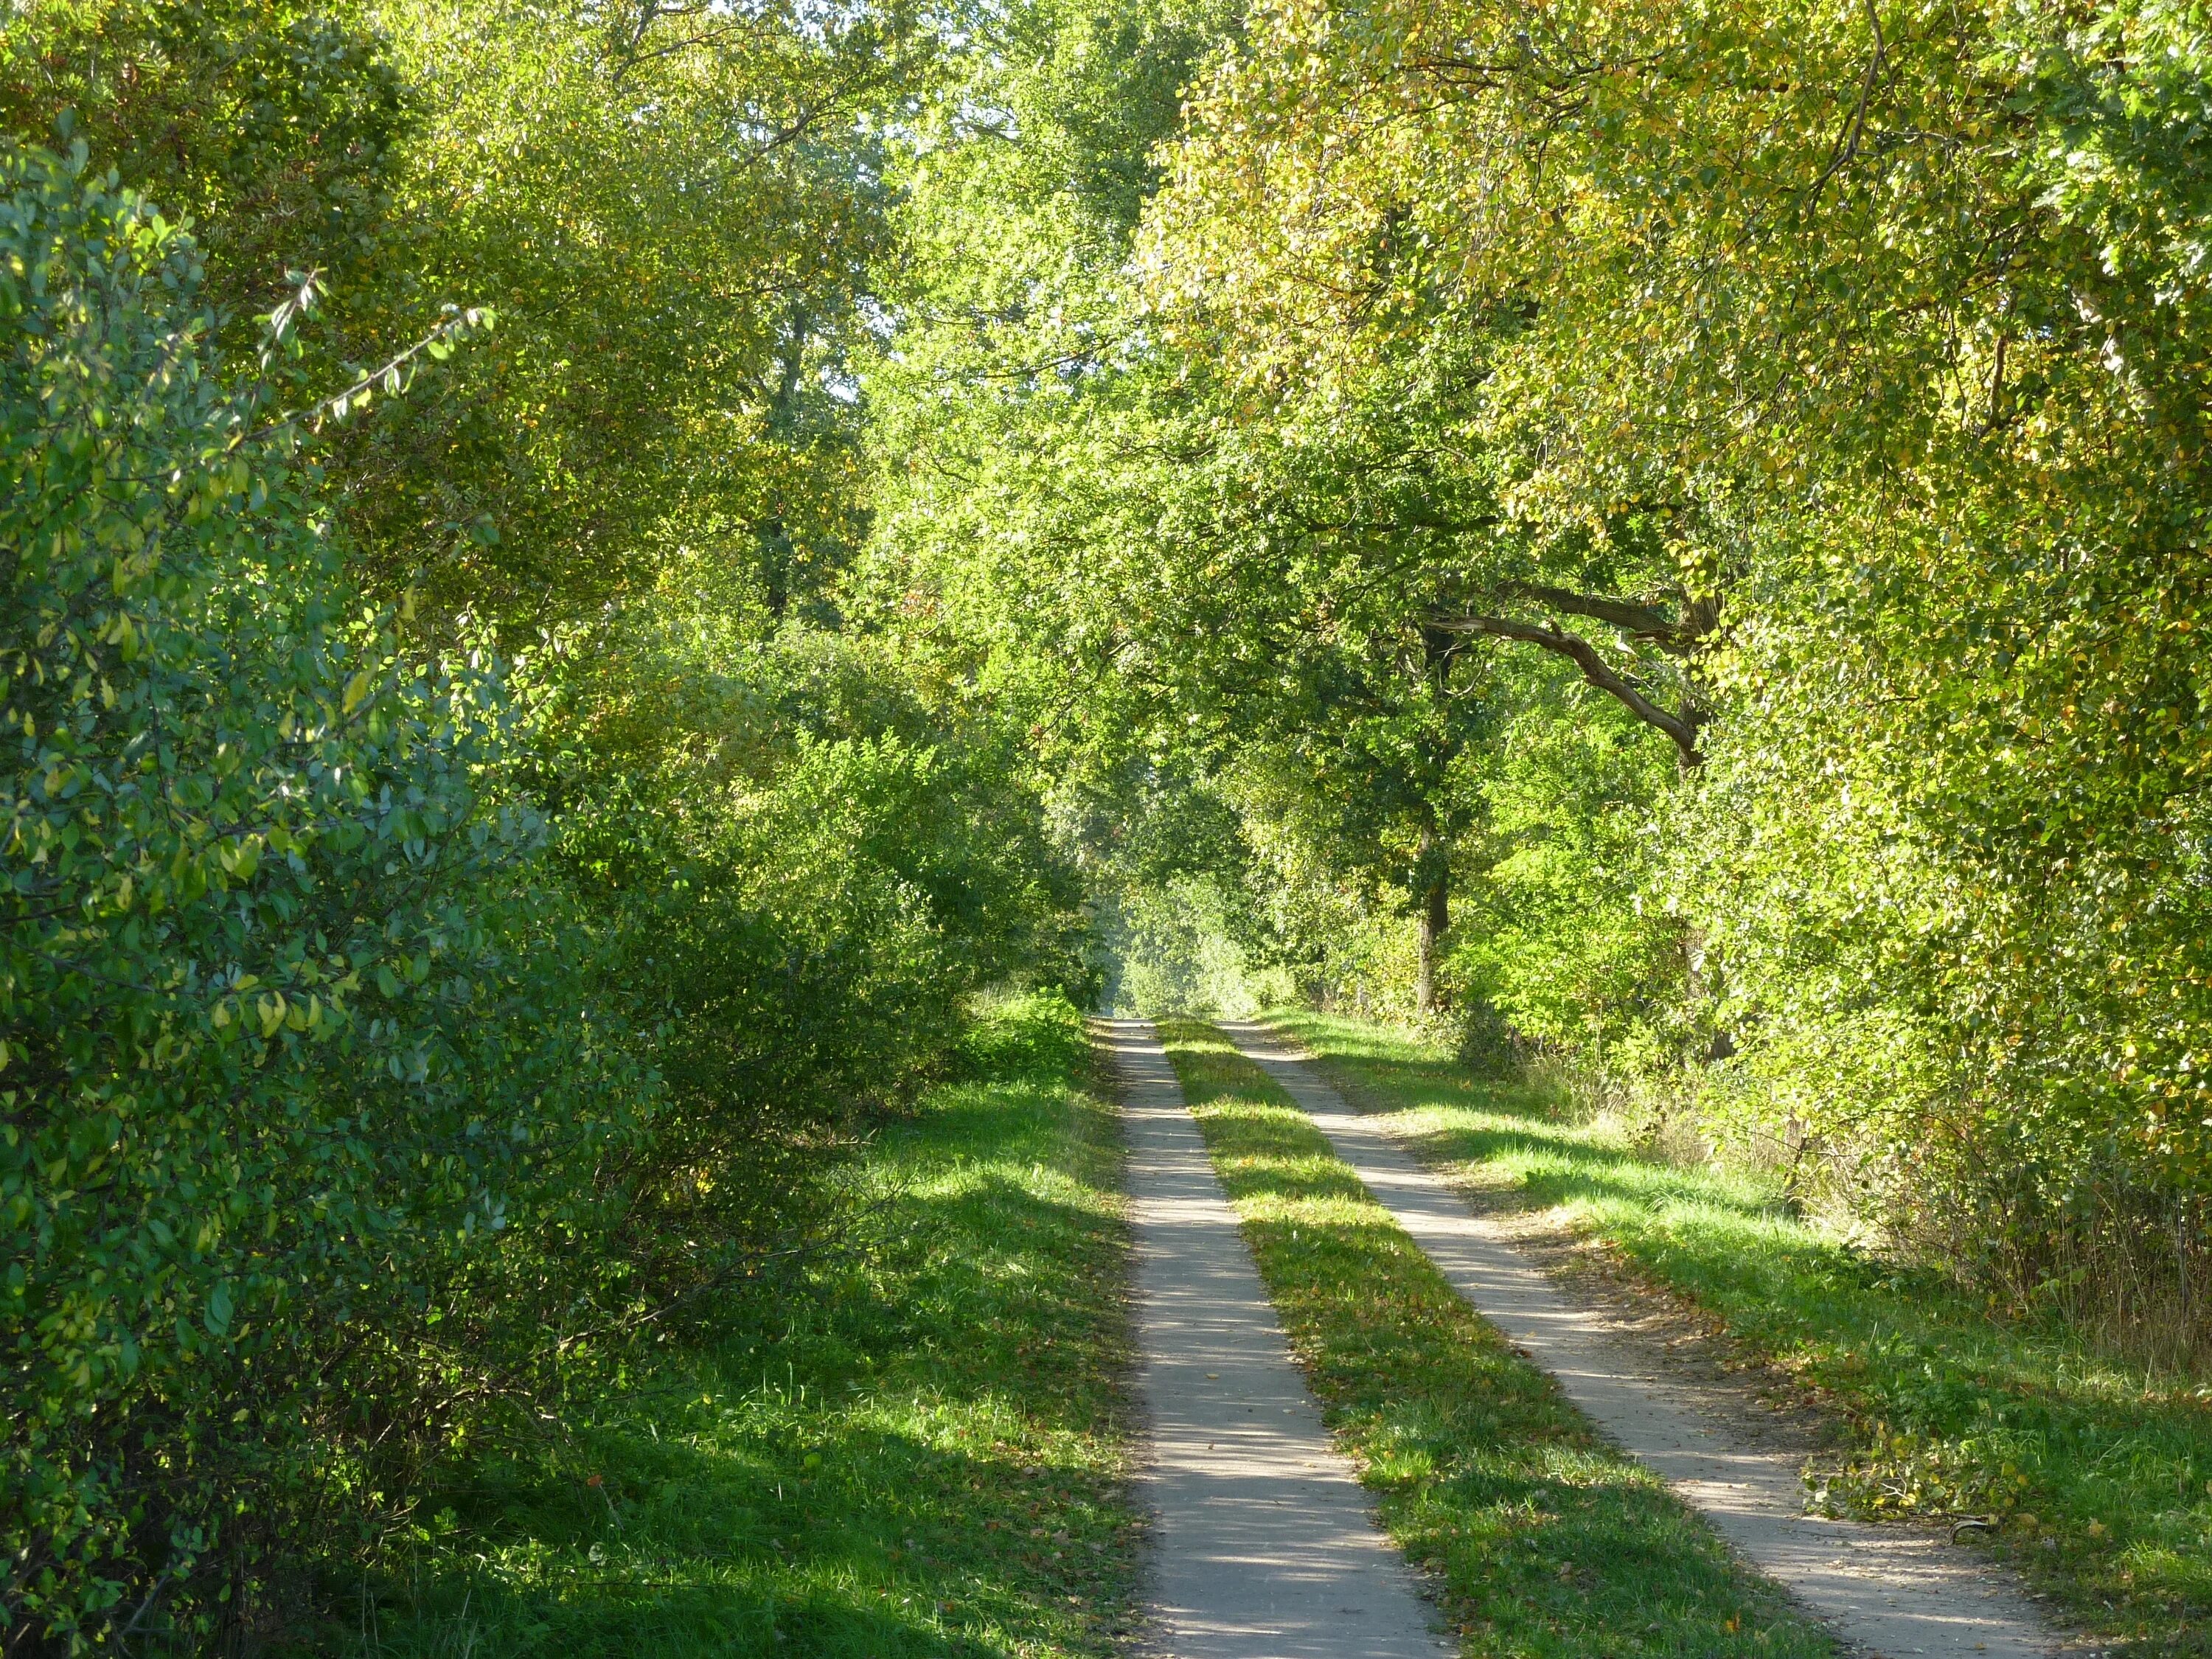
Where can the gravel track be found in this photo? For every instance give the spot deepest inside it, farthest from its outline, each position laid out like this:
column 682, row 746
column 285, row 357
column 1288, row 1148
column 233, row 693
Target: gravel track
column 1264, row 1545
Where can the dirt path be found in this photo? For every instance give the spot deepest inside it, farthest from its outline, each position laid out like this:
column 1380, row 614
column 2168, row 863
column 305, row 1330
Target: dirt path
column 1264, row 1545
column 1890, row 1591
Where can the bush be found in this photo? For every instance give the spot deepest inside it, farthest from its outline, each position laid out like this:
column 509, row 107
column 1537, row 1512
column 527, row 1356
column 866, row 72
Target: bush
column 291, row 1038
column 356, row 1108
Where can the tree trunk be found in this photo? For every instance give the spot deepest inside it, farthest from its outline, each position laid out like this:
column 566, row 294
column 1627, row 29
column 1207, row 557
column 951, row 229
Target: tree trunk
column 1435, row 919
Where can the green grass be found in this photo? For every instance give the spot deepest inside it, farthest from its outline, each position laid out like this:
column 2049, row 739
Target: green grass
column 1544, row 1542
column 2102, row 1477
column 922, row 1453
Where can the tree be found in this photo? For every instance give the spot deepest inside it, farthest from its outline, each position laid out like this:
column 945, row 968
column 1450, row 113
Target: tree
column 1839, row 360
column 463, row 888
column 269, row 929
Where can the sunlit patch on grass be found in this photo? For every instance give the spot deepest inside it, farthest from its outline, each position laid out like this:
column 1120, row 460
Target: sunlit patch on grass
column 920, row 1450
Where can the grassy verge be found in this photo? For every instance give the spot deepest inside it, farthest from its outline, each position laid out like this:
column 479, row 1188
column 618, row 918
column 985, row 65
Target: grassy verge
column 921, row 1453
column 1544, row 1543
column 2100, row 1477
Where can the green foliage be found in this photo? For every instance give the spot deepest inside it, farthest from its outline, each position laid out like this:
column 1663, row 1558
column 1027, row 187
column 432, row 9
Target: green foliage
column 794, row 945
column 674, row 212
column 806, row 869
column 475, row 856
column 290, row 1040
column 1559, row 929
column 400, row 1035
column 1813, row 384
column 1040, row 1034
column 273, row 124
column 1175, row 947
column 1880, row 340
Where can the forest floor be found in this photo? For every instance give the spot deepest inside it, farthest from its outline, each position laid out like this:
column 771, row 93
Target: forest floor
column 1918, row 1404
column 924, row 1452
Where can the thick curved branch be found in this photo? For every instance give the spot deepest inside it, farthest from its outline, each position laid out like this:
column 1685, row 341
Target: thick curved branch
column 1639, row 619
column 1595, row 670
column 1680, row 634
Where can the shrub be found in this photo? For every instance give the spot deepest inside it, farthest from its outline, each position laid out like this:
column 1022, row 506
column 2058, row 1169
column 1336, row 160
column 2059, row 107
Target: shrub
column 291, row 1038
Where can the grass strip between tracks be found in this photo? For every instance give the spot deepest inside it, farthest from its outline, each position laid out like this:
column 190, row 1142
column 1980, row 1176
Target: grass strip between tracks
column 1540, row 1540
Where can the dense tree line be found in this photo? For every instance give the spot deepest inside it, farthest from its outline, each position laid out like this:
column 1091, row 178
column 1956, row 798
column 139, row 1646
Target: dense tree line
column 582, row 574
column 1676, row 530
column 465, row 873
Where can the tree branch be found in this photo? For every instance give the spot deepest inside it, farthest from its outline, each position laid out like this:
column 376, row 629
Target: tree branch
column 1600, row 673
column 1639, row 621
column 1847, row 141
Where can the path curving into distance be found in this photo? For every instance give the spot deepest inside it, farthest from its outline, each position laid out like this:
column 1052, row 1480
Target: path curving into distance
column 1264, row 1545
column 1895, row 1593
